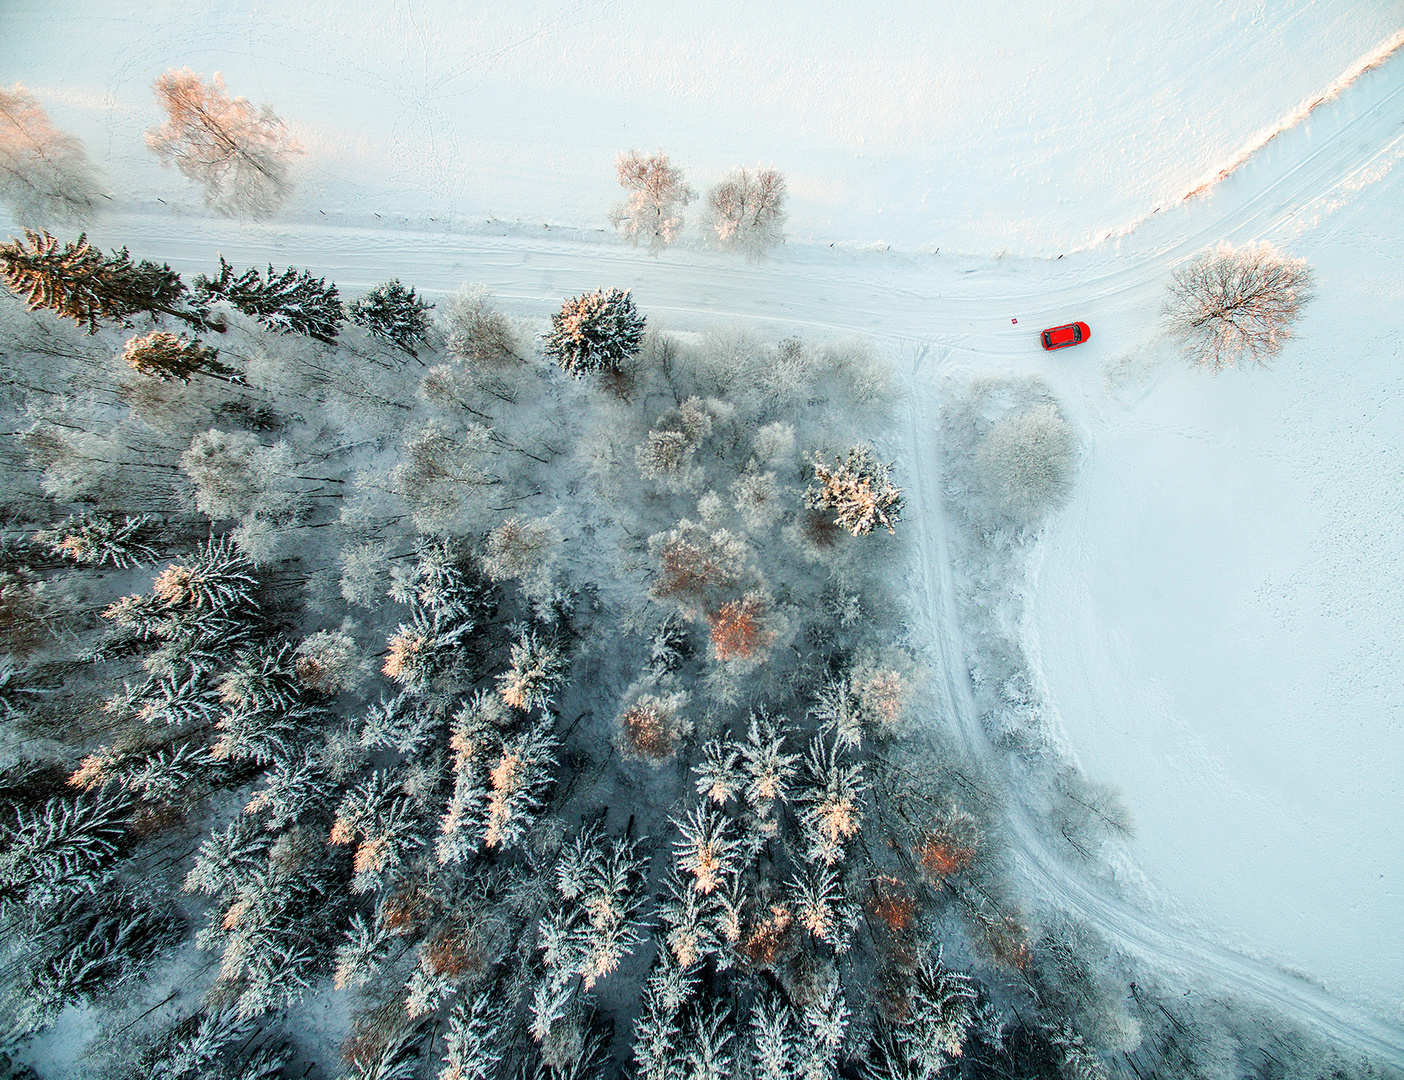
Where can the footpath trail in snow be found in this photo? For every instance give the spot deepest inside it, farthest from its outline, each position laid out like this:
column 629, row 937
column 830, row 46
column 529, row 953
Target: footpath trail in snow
column 947, row 313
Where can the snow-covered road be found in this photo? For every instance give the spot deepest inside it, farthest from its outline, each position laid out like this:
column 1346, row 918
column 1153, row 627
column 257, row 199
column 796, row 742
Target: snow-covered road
column 936, row 314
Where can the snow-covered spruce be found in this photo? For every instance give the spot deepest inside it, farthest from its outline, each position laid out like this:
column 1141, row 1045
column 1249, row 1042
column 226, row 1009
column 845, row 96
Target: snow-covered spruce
column 596, row 331
column 395, row 314
column 291, row 301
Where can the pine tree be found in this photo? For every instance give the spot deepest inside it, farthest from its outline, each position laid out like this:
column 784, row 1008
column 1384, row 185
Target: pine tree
column 394, row 314
column 61, row 849
column 538, row 667
column 78, row 282
column 769, row 770
column 719, row 777
column 659, row 1046
column 599, row 883
column 596, row 331
column 92, row 947
column 95, row 540
column 380, row 820
column 687, row 918
column 706, row 850
column 360, row 956
column 821, row 907
column 824, row 1024
column 518, row 782
column 168, row 356
column 831, row 799
column 290, row 302
column 774, row 1041
column 473, row 1043
column 214, row 580
column 711, row 1032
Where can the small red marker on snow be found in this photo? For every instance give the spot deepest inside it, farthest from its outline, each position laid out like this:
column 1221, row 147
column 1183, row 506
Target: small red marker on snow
column 1013, row 320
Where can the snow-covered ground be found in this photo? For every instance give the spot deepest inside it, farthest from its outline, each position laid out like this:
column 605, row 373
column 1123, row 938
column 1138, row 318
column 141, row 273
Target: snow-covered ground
column 1219, row 614
column 1217, row 611
column 1004, row 125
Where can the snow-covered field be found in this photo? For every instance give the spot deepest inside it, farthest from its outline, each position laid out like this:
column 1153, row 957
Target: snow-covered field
column 1006, row 125
column 1216, row 614
column 1219, row 616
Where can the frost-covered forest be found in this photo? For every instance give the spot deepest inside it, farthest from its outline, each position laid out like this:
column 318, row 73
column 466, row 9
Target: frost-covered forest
column 395, row 689
column 398, row 681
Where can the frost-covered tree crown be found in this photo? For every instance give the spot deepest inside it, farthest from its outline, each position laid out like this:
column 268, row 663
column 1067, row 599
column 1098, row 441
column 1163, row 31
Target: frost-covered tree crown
column 239, row 154
column 45, row 176
column 857, row 490
column 395, row 314
column 291, row 301
column 78, row 282
column 1235, row 304
column 746, row 210
column 657, row 193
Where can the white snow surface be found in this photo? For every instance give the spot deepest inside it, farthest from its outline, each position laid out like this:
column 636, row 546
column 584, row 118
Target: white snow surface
column 1013, row 125
column 1217, row 614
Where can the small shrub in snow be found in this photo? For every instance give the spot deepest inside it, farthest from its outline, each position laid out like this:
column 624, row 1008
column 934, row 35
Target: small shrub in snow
column 746, row 211
column 595, row 331
column 238, row 154
column 1236, row 303
column 857, row 491
column 1027, row 462
column 394, row 314
column 45, row 176
column 657, row 194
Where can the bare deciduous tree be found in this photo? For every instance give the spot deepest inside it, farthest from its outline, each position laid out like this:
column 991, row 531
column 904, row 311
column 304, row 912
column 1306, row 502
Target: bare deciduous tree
column 746, row 211
column 45, row 175
column 657, row 194
column 476, row 333
column 237, row 153
column 1235, row 303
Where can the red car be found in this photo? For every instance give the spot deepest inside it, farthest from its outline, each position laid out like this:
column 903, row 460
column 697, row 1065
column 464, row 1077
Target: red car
column 1060, row 337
